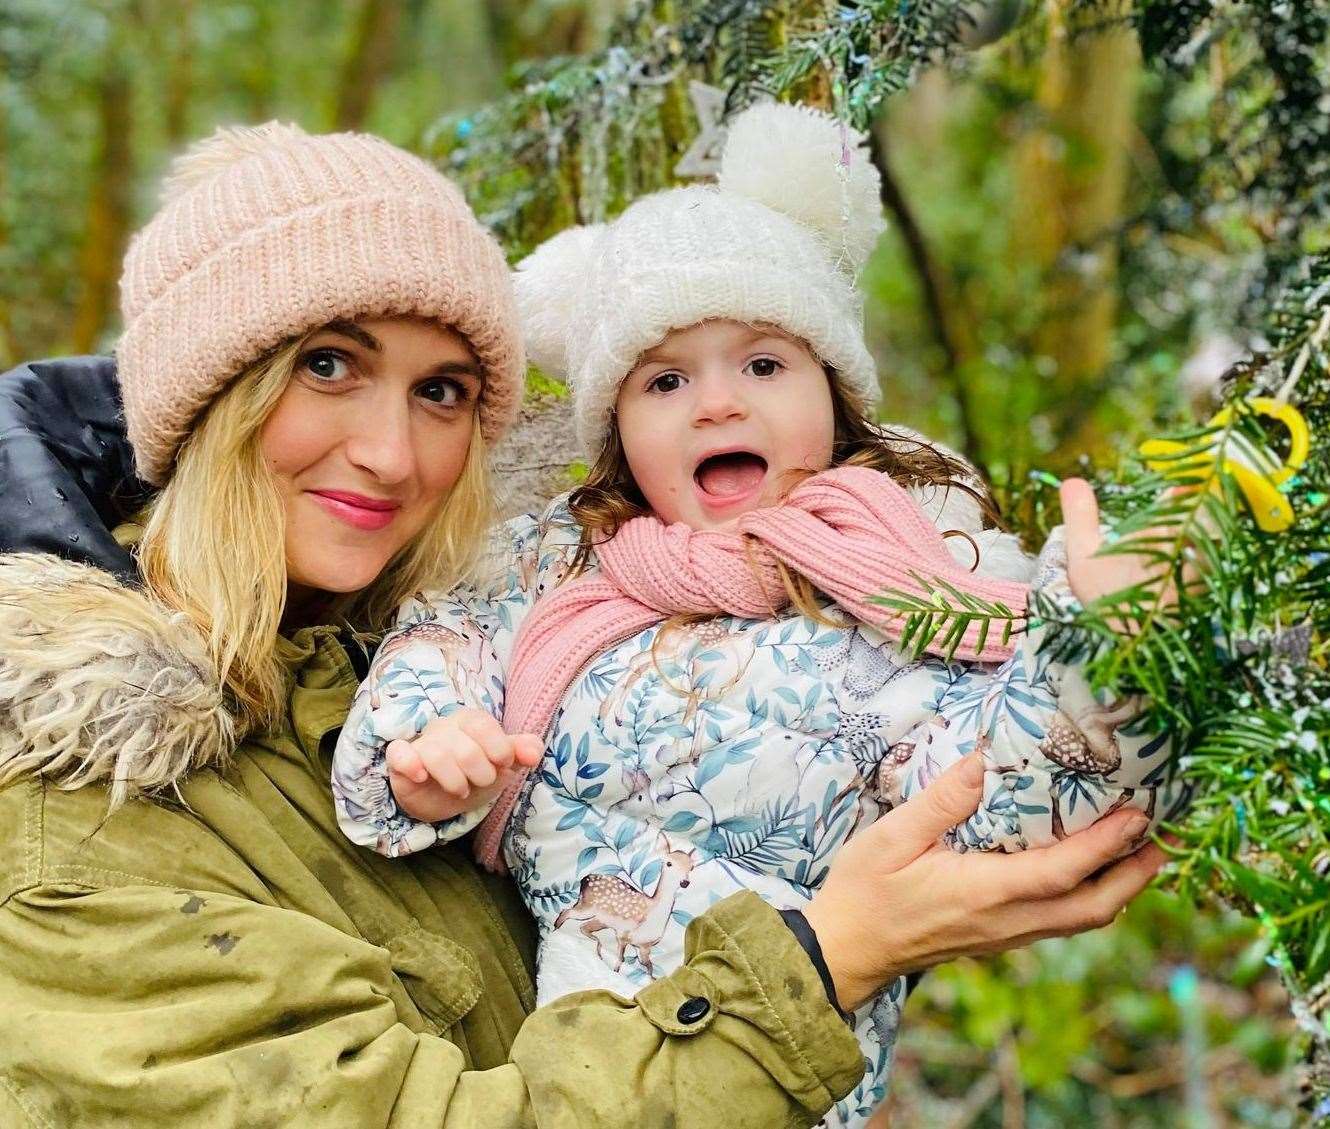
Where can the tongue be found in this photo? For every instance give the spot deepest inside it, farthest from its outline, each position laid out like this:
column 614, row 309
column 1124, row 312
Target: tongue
column 727, row 476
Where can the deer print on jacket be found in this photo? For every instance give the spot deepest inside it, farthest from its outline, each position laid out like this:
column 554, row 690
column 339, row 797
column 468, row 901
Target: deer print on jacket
column 460, row 647
column 606, row 903
column 1082, row 740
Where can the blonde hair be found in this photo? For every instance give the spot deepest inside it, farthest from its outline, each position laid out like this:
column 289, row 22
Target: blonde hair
column 213, row 545
column 610, row 497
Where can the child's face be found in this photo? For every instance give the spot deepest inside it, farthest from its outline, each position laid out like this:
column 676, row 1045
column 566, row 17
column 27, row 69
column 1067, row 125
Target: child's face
column 715, row 418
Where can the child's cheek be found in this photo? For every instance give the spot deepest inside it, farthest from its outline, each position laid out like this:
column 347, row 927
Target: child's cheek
column 658, row 477
column 816, row 444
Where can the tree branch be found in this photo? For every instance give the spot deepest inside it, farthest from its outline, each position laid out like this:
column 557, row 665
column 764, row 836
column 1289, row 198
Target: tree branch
column 955, row 354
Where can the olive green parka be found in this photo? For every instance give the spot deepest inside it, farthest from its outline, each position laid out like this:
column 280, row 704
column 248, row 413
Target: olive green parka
column 214, row 953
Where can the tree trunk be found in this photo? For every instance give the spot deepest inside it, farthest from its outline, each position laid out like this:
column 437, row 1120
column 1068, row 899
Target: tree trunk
column 108, row 212
column 566, row 29
column 179, row 75
column 7, row 350
column 1071, row 176
column 368, row 61
column 255, row 74
column 952, row 332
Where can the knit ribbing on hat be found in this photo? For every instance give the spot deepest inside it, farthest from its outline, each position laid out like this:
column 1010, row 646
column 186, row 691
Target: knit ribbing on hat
column 267, row 234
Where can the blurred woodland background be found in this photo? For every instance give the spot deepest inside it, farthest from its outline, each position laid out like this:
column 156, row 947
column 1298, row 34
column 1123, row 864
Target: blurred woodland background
column 1081, row 241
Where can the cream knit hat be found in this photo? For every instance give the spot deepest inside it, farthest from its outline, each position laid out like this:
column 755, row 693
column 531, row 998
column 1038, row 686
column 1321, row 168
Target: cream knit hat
column 268, row 233
column 780, row 238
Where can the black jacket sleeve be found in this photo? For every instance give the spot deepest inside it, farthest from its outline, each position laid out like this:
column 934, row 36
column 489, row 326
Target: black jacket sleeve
column 66, row 468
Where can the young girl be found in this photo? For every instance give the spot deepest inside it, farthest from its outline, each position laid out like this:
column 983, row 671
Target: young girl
column 691, row 635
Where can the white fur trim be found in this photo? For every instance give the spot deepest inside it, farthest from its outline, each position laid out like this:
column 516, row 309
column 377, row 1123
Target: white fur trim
column 1000, row 553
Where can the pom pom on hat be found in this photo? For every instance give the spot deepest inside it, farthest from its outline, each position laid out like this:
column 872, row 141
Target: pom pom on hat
column 811, row 167
column 549, row 283
column 224, row 147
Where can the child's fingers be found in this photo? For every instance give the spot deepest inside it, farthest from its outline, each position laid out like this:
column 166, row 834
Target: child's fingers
column 452, row 780
column 488, row 734
column 412, row 795
column 528, row 750
column 474, row 763
column 404, row 789
column 403, row 760
column 1080, row 516
column 442, row 760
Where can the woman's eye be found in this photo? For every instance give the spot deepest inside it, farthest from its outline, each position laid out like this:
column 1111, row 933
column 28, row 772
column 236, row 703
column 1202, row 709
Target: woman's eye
column 447, row 393
column 326, row 366
column 666, row 382
column 764, row 367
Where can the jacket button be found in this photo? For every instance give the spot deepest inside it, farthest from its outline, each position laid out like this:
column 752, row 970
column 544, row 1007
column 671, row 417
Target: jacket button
column 692, row 1009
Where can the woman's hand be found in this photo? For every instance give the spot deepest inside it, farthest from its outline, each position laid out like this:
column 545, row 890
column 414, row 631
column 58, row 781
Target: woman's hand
column 897, row 900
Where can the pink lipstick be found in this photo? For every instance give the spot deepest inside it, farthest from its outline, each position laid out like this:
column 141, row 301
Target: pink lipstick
column 357, row 509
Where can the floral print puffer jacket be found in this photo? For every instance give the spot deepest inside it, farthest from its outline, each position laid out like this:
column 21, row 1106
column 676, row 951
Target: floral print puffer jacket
column 689, row 762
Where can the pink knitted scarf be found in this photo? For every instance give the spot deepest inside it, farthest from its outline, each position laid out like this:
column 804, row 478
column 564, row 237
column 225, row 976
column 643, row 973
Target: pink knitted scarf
column 852, row 531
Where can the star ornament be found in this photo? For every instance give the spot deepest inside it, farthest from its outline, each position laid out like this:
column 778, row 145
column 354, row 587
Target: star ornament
column 702, row 158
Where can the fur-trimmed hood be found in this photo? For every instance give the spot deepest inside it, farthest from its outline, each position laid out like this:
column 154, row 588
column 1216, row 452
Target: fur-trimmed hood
column 101, row 685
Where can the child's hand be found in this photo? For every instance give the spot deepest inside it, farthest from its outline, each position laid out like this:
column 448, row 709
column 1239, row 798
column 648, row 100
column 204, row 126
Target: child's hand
column 1093, row 577
column 457, row 764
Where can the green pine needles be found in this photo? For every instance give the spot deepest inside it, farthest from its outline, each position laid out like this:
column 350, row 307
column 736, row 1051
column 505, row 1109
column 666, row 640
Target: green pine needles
column 1229, row 637
column 579, row 138
column 1238, row 668
column 947, row 611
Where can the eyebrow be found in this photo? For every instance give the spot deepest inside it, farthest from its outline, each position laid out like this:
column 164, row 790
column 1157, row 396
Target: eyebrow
column 358, row 335
column 769, row 333
column 652, row 357
column 459, row 368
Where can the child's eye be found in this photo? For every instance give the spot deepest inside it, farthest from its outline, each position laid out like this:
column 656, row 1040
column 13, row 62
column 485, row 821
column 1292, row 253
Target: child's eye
column 763, row 367
column 326, row 365
column 665, row 382
column 446, row 393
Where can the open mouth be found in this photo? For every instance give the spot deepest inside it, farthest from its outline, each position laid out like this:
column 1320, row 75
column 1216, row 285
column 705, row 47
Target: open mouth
column 730, row 475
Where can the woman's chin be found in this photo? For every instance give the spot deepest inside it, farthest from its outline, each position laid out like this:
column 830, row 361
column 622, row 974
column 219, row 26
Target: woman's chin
column 339, row 575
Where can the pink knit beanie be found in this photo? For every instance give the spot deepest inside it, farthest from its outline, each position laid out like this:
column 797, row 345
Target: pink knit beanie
column 268, row 233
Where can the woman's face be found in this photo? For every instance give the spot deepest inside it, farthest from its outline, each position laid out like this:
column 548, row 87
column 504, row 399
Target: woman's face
column 366, row 441
column 715, row 418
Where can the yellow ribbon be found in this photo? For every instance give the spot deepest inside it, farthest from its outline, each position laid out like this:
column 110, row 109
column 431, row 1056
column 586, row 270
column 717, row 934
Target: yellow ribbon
column 1256, row 469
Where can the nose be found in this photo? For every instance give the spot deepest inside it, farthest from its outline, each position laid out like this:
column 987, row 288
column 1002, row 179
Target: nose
column 718, row 400
column 379, row 441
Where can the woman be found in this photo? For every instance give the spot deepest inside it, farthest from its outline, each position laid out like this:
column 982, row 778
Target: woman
column 319, row 348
